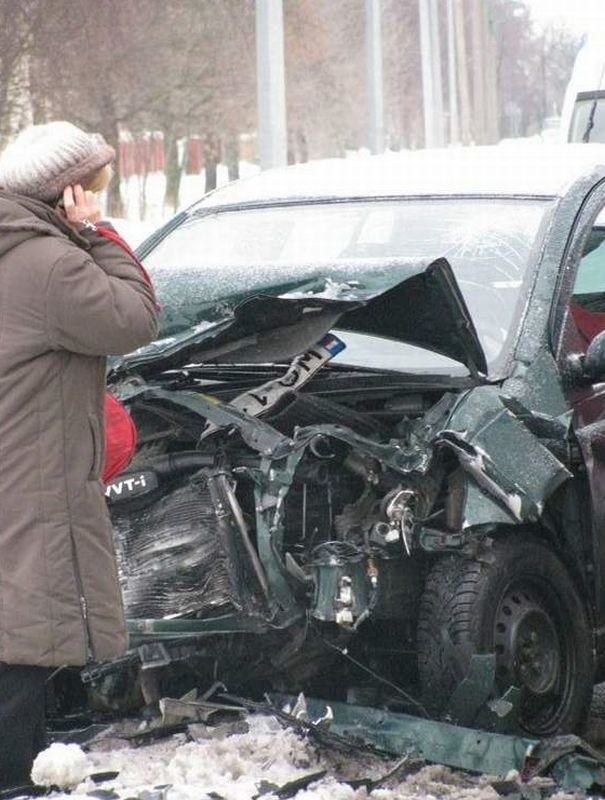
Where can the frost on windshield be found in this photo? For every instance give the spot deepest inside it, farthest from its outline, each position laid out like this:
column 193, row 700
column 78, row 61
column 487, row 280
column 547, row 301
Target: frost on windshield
column 192, row 297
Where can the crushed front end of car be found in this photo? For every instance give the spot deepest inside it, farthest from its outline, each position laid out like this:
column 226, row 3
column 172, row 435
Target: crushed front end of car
column 290, row 526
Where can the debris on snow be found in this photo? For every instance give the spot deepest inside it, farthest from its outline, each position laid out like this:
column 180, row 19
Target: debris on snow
column 232, row 766
column 259, row 759
column 62, row 765
column 301, row 712
column 200, row 732
column 441, row 781
column 291, row 788
column 331, row 789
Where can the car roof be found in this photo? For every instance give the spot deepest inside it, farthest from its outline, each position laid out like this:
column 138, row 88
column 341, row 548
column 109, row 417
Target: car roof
column 508, row 169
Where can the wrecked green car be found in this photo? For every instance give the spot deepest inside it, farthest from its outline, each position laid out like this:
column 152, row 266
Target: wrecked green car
column 372, row 437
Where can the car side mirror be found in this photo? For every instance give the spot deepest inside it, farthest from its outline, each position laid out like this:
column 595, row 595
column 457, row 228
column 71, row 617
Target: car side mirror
column 593, row 365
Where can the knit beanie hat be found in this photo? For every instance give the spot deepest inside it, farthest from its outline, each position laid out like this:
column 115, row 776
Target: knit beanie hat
column 44, row 159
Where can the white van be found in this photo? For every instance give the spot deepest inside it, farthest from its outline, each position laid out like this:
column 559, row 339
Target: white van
column 583, row 117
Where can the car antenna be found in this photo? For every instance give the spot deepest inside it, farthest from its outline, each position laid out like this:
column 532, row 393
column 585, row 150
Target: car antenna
column 593, row 110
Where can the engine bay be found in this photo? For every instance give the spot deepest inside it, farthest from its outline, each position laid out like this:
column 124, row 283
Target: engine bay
column 215, row 526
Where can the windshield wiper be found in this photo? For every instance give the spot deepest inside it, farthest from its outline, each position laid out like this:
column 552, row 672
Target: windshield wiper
column 590, row 123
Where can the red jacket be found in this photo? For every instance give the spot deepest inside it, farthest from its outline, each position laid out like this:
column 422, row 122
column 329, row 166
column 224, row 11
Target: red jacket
column 120, row 432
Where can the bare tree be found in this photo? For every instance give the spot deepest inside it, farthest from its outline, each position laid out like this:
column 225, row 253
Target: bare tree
column 534, row 67
column 136, row 64
column 105, row 74
column 19, row 21
column 187, row 67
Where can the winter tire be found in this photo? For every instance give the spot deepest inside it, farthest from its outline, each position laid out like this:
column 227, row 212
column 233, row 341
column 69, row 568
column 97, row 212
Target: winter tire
column 520, row 604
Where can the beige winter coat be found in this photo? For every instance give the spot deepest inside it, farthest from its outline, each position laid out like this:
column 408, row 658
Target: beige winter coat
column 66, row 301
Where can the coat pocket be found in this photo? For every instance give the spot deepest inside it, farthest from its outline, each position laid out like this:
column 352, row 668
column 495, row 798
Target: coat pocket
column 97, row 449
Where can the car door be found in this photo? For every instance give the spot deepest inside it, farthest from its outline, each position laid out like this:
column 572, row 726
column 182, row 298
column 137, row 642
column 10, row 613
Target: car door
column 582, row 304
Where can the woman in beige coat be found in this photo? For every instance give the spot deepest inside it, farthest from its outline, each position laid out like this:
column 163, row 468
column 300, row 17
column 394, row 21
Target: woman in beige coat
column 70, row 295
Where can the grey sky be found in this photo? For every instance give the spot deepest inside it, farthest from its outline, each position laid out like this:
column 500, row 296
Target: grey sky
column 581, row 16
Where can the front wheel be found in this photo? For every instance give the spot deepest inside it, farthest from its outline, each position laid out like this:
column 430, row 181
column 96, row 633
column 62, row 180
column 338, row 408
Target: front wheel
column 521, row 605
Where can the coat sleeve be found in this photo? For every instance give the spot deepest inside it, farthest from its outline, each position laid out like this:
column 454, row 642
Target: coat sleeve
column 99, row 301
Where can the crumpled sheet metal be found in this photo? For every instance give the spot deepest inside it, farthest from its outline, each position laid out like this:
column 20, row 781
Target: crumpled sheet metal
column 570, row 761
column 438, row 742
column 510, row 472
column 506, row 461
column 537, row 385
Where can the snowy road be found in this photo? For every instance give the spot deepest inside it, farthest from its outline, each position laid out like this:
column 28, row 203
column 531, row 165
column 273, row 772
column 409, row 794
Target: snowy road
column 256, row 762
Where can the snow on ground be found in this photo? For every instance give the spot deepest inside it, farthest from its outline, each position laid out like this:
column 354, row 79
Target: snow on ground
column 224, row 763
column 145, row 196
column 63, row 765
column 231, row 766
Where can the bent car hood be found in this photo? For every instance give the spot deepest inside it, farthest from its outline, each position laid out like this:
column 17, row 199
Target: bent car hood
column 424, row 308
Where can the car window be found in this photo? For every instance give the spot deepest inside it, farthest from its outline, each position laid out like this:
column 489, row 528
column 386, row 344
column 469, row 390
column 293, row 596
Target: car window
column 214, row 260
column 588, row 297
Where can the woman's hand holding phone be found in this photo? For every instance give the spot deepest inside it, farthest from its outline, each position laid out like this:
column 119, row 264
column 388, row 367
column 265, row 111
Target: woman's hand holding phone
column 81, row 208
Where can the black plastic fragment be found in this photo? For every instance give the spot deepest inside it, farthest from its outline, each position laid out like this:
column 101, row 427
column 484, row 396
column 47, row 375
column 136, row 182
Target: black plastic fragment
column 291, row 788
column 27, row 790
column 101, row 777
column 505, row 788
